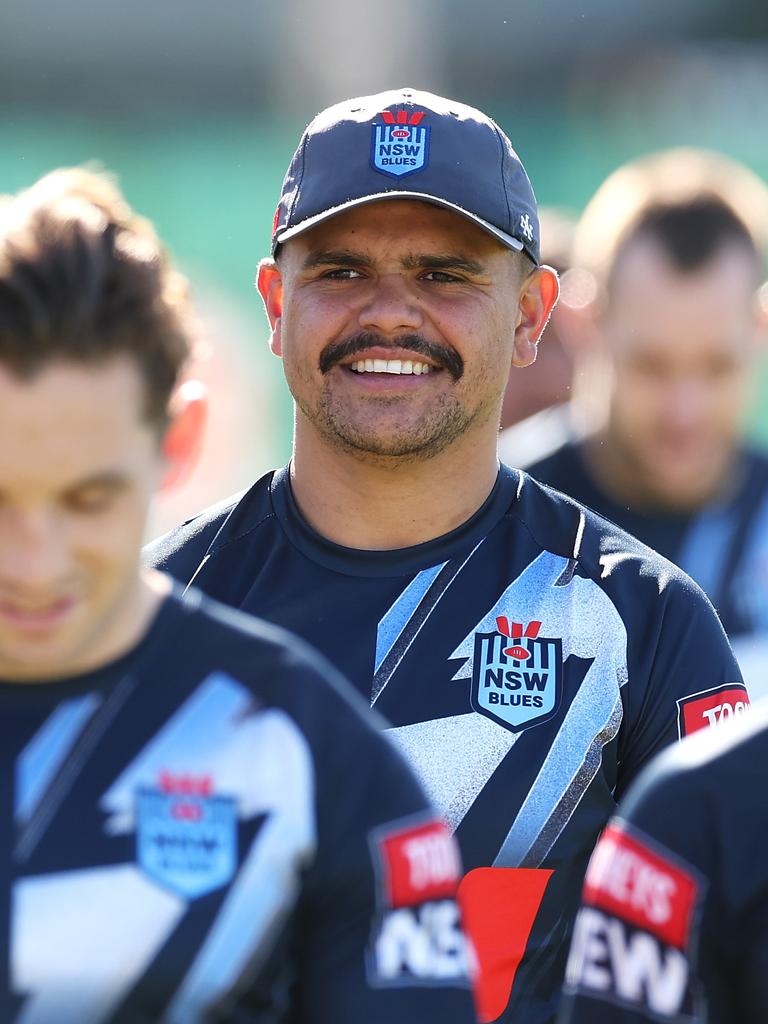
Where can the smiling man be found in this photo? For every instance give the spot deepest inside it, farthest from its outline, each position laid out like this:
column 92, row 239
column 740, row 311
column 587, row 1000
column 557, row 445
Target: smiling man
column 199, row 824
column 529, row 655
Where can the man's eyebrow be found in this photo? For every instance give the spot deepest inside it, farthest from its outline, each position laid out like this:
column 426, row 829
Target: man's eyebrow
column 110, row 480
column 444, row 261
column 421, row 261
column 334, row 258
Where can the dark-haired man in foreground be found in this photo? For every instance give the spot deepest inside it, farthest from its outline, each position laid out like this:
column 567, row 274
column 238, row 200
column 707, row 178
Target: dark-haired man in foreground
column 675, row 244
column 199, row 824
column 529, row 655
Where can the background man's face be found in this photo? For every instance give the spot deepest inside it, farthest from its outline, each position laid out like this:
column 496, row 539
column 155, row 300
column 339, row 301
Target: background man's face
column 78, row 464
column 681, row 348
column 408, row 282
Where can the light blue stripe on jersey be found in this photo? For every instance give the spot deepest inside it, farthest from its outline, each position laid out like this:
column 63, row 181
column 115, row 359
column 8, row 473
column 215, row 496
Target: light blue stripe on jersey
column 396, row 619
column 42, row 757
column 705, row 548
column 750, row 583
column 573, row 761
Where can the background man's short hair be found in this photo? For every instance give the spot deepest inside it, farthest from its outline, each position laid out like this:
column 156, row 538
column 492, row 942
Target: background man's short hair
column 691, row 201
column 84, row 279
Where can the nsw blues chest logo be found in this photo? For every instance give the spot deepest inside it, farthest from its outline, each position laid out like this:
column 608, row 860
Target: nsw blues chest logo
column 186, row 835
column 517, row 675
column 400, row 143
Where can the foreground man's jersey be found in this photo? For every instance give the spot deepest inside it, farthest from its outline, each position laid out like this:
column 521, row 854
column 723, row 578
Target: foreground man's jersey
column 530, row 662
column 674, row 926
column 209, row 830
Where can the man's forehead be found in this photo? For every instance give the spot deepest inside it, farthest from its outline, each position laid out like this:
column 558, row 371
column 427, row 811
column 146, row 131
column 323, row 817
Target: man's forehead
column 645, row 265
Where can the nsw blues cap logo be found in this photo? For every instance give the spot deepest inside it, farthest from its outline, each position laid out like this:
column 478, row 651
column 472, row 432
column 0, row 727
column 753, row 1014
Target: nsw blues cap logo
column 400, row 143
column 409, row 144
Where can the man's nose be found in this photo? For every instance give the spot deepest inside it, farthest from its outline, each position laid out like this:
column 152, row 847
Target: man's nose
column 32, row 549
column 391, row 306
column 686, row 404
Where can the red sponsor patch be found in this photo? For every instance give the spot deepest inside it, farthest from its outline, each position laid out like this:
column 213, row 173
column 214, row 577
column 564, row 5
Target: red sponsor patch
column 635, row 883
column 419, row 863
column 710, row 707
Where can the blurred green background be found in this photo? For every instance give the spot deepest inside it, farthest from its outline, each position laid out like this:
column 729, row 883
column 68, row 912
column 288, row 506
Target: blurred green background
column 197, row 108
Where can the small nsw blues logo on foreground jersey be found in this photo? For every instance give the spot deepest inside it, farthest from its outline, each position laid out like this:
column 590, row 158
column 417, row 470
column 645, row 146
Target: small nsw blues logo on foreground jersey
column 186, row 836
column 516, row 675
column 400, row 145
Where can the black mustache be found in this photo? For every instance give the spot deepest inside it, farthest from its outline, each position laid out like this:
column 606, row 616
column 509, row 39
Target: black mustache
column 445, row 358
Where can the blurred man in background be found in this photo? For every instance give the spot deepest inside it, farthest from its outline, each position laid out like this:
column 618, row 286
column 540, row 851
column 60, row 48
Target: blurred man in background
column 529, row 655
column 199, row 823
column 674, row 244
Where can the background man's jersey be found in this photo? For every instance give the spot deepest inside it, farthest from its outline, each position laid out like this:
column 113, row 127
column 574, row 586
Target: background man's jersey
column 724, row 547
column 674, row 925
column 529, row 662
column 210, row 830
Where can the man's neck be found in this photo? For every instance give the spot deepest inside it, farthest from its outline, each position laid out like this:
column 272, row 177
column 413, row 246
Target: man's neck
column 379, row 505
column 618, row 477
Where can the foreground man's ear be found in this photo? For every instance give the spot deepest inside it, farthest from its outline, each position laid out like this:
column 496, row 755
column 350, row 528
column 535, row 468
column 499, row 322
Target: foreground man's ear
column 538, row 296
column 270, row 284
column 183, row 439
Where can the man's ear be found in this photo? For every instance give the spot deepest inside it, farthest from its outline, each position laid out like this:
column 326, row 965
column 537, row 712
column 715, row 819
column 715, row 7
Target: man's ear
column 538, row 296
column 270, row 284
column 183, row 439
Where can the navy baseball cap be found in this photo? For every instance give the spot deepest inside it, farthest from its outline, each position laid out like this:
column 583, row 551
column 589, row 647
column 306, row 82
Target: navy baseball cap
column 409, row 144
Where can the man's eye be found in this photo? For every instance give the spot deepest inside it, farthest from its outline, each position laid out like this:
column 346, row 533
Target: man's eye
column 440, row 276
column 342, row 274
column 90, row 502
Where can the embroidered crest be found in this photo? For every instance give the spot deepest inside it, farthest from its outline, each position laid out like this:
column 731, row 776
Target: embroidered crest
column 400, row 143
column 186, row 837
column 516, row 675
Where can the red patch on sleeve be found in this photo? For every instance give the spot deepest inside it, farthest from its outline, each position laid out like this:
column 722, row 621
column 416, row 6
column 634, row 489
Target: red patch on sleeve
column 710, row 707
column 420, row 863
column 637, row 884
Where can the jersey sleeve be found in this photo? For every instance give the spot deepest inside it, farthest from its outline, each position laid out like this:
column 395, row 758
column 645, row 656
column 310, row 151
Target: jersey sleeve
column 639, row 943
column 683, row 676
column 381, row 938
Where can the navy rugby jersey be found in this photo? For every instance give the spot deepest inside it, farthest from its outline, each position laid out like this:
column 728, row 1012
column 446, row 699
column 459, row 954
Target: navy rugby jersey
column 529, row 662
column 209, row 830
column 724, row 547
column 674, row 922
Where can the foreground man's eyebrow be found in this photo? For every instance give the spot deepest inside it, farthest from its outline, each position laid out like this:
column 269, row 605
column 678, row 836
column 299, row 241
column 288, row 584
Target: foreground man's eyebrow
column 334, row 258
column 444, row 261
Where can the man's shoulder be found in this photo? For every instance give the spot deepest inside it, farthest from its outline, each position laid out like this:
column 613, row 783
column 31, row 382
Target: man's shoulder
column 181, row 549
column 275, row 665
column 614, row 559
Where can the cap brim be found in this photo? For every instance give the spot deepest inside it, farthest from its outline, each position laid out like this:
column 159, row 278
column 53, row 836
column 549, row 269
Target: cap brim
column 310, row 222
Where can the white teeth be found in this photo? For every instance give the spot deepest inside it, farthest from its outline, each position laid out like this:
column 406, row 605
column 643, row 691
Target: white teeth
column 398, row 366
